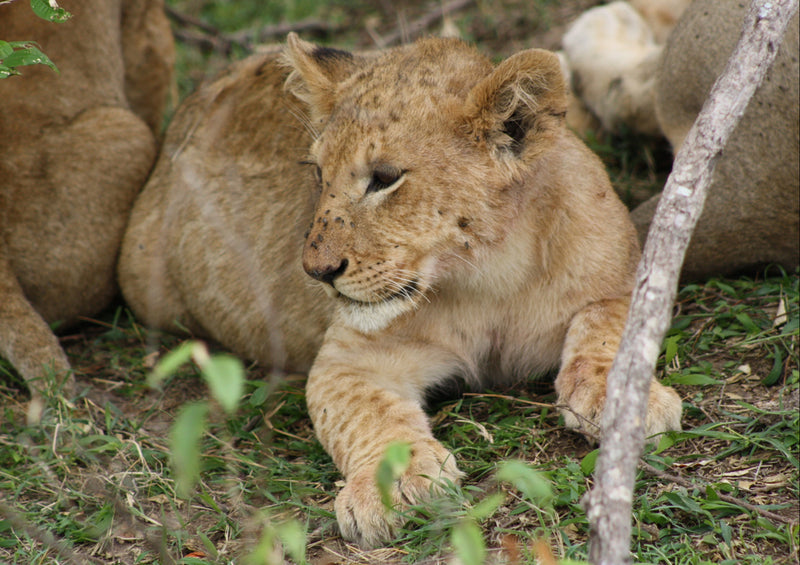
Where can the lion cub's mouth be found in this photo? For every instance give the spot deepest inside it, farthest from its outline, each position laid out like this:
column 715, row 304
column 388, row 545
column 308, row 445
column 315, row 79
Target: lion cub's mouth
column 404, row 293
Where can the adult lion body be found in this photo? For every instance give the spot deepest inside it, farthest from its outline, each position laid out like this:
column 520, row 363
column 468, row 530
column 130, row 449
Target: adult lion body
column 627, row 76
column 75, row 149
column 752, row 215
column 460, row 228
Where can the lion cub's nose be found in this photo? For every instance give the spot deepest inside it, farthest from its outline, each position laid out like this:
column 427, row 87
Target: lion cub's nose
column 327, row 273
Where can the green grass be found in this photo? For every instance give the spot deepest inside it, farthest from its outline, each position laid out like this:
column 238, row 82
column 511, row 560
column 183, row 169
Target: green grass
column 97, row 477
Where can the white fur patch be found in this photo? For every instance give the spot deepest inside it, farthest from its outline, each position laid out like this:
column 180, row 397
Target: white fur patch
column 373, row 317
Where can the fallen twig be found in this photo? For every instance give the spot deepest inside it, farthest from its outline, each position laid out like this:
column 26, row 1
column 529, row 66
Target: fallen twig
column 209, row 37
column 187, row 20
column 418, row 26
column 208, row 42
column 512, row 399
column 268, row 33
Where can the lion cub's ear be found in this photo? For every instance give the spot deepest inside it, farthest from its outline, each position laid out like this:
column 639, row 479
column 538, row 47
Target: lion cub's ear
column 316, row 72
column 522, row 97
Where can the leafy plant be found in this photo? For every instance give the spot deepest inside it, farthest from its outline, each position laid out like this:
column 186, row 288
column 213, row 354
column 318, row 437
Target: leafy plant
column 14, row 54
column 49, row 10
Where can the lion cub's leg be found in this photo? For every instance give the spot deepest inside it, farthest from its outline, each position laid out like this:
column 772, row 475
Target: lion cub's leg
column 357, row 412
column 26, row 340
column 592, row 341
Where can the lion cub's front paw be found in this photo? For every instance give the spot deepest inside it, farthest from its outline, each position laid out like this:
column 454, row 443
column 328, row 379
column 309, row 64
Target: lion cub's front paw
column 663, row 410
column 584, row 408
column 362, row 516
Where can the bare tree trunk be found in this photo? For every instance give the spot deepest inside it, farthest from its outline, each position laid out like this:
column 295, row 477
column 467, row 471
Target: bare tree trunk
column 608, row 505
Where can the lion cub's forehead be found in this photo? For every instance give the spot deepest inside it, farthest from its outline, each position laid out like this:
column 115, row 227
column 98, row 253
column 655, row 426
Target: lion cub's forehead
column 405, row 94
column 419, row 76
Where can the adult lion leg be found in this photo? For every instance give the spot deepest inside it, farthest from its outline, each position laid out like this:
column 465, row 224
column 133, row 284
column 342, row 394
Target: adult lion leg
column 590, row 346
column 356, row 415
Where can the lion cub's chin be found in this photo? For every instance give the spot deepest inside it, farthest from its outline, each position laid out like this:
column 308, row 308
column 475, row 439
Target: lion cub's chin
column 369, row 317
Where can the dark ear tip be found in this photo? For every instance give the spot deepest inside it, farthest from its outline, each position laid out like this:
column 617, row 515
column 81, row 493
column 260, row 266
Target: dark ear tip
column 326, row 54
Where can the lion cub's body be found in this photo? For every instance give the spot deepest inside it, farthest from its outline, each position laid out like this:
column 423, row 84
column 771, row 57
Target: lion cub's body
column 461, row 228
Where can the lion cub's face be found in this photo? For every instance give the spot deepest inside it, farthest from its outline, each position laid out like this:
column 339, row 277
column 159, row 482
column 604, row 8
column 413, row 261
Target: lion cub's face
column 421, row 154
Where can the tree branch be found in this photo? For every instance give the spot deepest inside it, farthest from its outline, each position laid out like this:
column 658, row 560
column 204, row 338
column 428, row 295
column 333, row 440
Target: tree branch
column 418, row 26
column 608, row 505
column 207, row 36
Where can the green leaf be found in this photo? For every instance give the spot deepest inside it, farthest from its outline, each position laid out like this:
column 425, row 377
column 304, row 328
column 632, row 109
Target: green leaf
column 487, row 506
column 467, row 540
column 5, row 49
column 396, row 460
column 184, row 440
column 225, row 377
column 724, row 287
column 671, row 348
column 726, row 531
column 260, row 394
column 666, row 441
column 293, row 537
column 51, row 13
column 693, row 379
column 685, row 502
column 588, row 462
column 791, row 326
column 748, row 323
column 681, row 323
column 777, row 368
column 29, row 55
column 6, row 72
column 535, row 487
column 170, row 363
column 223, row 373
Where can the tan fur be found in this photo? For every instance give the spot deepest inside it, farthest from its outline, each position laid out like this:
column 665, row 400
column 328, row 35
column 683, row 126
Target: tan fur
column 612, row 55
column 660, row 15
column 752, row 213
column 461, row 229
column 72, row 158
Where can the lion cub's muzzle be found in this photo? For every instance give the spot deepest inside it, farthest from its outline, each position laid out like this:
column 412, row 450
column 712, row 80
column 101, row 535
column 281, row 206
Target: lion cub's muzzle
column 321, row 260
column 327, row 272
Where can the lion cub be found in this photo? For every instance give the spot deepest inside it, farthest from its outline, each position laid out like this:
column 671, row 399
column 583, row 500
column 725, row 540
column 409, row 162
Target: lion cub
column 453, row 224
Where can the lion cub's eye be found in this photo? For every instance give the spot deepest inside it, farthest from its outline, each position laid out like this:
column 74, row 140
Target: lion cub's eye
column 383, row 177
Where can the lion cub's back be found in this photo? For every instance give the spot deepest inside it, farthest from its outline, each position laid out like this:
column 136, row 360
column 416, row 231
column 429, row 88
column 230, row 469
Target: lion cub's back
column 215, row 239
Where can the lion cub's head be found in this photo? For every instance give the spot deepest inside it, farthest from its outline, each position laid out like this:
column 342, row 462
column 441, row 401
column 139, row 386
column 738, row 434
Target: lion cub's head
column 422, row 154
